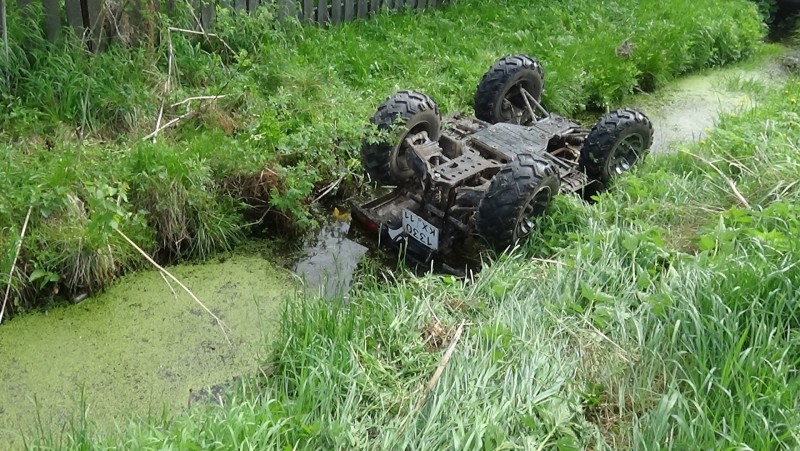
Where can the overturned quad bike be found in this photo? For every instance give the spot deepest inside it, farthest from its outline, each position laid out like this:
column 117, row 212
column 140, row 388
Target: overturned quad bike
column 491, row 175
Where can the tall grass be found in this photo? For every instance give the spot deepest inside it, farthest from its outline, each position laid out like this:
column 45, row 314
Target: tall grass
column 291, row 122
column 665, row 316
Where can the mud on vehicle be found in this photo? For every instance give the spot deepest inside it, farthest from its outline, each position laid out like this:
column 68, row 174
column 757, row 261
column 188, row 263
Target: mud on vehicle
column 488, row 176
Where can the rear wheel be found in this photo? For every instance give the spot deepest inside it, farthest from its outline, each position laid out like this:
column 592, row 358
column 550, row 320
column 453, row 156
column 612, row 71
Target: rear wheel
column 518, row 194
column 500, row 98
column 407, row 112
column 616, row 143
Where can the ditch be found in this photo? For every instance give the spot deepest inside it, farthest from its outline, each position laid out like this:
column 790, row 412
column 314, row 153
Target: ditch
column 142, row 347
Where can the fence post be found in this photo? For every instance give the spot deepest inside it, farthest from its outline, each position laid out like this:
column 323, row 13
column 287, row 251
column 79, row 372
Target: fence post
column 336, row 11
column 322, row 12
column 75, row 16
column 207, row 14
column 6, row 60
column 52, row 14
column 348, row 10
column 286, row 8
column 96, row 20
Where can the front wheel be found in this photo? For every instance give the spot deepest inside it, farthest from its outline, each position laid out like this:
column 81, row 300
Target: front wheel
column 616, row 143
column 501, row 93
column 517, row 195
column 407, row 112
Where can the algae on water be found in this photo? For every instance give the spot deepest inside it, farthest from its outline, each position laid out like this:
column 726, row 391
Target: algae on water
column 138, row 348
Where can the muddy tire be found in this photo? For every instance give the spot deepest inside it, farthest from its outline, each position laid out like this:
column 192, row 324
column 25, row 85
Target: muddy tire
column 403, row 113
column 616, row 143
column 498, row 97
column 518, row 193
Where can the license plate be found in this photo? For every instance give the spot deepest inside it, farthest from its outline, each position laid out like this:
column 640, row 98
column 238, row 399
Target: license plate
column 421, row 230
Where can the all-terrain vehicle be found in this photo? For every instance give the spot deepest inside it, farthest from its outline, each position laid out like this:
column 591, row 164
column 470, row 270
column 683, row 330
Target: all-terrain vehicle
column 490, row 175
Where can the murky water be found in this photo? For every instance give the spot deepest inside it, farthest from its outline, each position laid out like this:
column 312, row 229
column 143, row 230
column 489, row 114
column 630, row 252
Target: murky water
column 329, row 262
column 138, row 348
column 687, row 109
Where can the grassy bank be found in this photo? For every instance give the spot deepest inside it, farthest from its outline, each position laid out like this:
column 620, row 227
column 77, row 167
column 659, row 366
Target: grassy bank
column 663, row 316
column 291, row 119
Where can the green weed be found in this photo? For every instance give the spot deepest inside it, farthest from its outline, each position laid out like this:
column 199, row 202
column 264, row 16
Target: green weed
column 623, row 338
column 290, row 119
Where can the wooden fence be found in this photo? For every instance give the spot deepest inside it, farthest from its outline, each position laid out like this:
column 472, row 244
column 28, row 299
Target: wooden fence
column 99, row 20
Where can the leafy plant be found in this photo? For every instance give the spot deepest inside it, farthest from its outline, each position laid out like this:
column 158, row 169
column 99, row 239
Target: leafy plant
column 284, row 110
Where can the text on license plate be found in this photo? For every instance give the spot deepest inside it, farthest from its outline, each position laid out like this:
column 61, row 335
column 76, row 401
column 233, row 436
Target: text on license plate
column 421, row 230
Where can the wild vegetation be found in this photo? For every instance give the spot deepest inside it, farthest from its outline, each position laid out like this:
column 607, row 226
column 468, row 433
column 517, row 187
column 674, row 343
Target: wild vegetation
column 664, row 315
column 285, row 119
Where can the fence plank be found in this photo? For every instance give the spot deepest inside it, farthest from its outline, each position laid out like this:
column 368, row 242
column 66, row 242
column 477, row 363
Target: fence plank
column 208, row 15
column 286, row 8
column 336, row 11
column 322, row 12
column 431, row 4
column 52, row 19
column 137, row 29
column 308, row 10
column 252, row 5
column 412, row 4
column 240, row 5
column 420, row 4
column 348, row 10
column 95, row 24
column 280, row 9
column 362, row 8
column 74, row 16
column 23, row 3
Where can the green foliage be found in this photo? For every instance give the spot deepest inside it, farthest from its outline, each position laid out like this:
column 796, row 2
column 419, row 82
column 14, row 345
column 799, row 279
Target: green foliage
column 625, row 338
column 663, row 316
column 292, row 119
column 767, row 8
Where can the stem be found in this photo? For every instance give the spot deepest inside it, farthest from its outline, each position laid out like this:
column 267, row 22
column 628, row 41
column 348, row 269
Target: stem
column 14, row 263
column 164, row 272
column 168, row 124
column 727, row 179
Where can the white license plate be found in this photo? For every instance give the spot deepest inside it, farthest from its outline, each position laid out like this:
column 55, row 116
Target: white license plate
column 421, row 230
